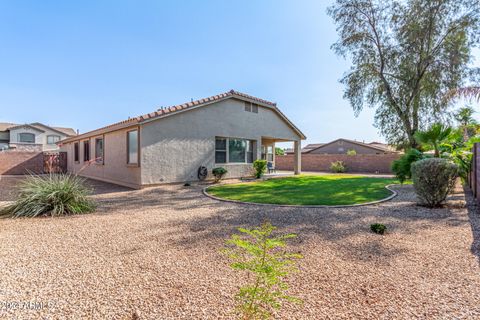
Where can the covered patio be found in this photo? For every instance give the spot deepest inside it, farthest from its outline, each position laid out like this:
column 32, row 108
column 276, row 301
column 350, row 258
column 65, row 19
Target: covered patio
column 268, row 152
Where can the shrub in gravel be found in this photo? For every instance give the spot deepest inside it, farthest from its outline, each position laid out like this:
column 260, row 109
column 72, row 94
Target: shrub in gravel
column 433, row 179
column 264, row 257
column 402, row 166
column 219, row 173
column 54, row 195
column 378, row 228
column 338, row 167
column 260, row 167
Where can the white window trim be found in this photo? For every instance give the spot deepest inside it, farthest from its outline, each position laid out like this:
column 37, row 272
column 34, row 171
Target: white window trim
column 19, row 140
column 228, row 152
column 53, row 135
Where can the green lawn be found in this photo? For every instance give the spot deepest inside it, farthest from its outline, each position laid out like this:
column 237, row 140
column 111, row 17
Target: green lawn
column 339, row 189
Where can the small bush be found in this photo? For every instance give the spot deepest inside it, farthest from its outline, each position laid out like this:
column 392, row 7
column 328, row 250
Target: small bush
column 401, row 167
column 267, row 262
column 351, row 152
column 219, row 173
column 260, row 166
column 338, row 167
column 378, row 228
column 433, row 179
column 54, row 195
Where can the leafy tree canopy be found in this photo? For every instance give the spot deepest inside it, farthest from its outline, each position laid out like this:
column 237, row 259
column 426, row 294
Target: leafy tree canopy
column 406, row 56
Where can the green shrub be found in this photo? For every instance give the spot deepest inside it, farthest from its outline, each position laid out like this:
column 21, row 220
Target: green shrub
column 54, row 195
column 219, row 173
column 260, row 166
column 265, row 259
column 378, row 228
column 401, row 167
column 338, row 167
column 433, row 179
column 351, row 152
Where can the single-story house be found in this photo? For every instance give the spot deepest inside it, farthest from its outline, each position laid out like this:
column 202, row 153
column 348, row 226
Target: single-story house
column 33, row 136
column 342, row 146
column 172, row 144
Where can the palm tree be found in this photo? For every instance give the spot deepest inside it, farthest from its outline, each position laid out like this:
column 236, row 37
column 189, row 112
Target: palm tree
column 466, row 92
column 464, row 116
column 434, row 136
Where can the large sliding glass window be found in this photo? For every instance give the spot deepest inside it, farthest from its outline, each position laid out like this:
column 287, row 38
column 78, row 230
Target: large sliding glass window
column 233, row 150
column 132, row 147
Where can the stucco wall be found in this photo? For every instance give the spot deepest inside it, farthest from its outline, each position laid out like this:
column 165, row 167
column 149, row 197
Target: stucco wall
column 115, row 168
column 173, row 148
column 341, row 147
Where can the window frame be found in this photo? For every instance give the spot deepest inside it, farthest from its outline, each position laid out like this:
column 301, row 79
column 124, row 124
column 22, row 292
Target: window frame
column 248, row 142
column 26, row 133
column 86, row 147
column 102, row 160
column 76, row 152
column 53, row 136
column 132, row 164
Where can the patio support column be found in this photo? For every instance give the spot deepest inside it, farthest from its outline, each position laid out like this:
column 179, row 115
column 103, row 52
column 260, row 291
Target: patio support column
column 297, row 160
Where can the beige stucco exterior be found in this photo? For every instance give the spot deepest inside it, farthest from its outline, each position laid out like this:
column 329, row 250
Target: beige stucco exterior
column 172, row 148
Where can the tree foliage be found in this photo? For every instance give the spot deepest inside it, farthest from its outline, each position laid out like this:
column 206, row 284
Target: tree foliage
column 406, row 56
column 433, row 136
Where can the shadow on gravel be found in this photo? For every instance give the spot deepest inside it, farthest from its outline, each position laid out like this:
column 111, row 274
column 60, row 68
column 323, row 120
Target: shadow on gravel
column 337, row 226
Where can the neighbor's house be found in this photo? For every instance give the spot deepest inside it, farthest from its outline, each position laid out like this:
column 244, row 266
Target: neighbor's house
column 169, row 145
column 342, row 146
column 33, row 137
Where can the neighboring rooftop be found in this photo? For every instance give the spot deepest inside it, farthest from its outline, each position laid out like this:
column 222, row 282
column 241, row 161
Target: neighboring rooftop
column 4, row 126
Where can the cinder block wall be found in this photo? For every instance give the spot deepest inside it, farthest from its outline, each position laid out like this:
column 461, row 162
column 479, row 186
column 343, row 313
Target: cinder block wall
column 20, row 162
column 368, row 163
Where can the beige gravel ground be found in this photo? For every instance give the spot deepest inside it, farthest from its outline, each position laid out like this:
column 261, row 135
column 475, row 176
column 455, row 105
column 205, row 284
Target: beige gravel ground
column 154, row 254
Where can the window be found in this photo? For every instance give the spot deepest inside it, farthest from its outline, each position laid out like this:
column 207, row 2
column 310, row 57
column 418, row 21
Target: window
column 132, row 147
column 251, row 107
column 86, row 150
column 267, row 153
column 270, row 153
column 220, row 150
column 26, row 137
column 99, row 150
column 236, row 150
column 76, row 152
column 232, row 150
column 52, row 139
column 249, row 151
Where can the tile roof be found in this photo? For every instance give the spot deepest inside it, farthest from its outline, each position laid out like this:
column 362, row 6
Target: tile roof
column 159, row 113
column 4, row 126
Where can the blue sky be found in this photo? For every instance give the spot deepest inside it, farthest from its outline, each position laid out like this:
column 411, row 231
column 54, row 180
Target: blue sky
column 86, row 64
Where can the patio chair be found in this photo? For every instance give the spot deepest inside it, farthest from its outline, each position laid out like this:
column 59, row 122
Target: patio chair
column 270, row 167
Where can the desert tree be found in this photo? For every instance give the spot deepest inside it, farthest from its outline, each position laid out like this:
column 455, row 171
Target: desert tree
column 406, row 56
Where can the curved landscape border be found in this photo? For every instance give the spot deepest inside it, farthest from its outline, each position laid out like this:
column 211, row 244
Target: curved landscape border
column 388, row 187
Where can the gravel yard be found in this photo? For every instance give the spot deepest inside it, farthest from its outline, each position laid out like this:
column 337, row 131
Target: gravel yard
column 154, row 254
